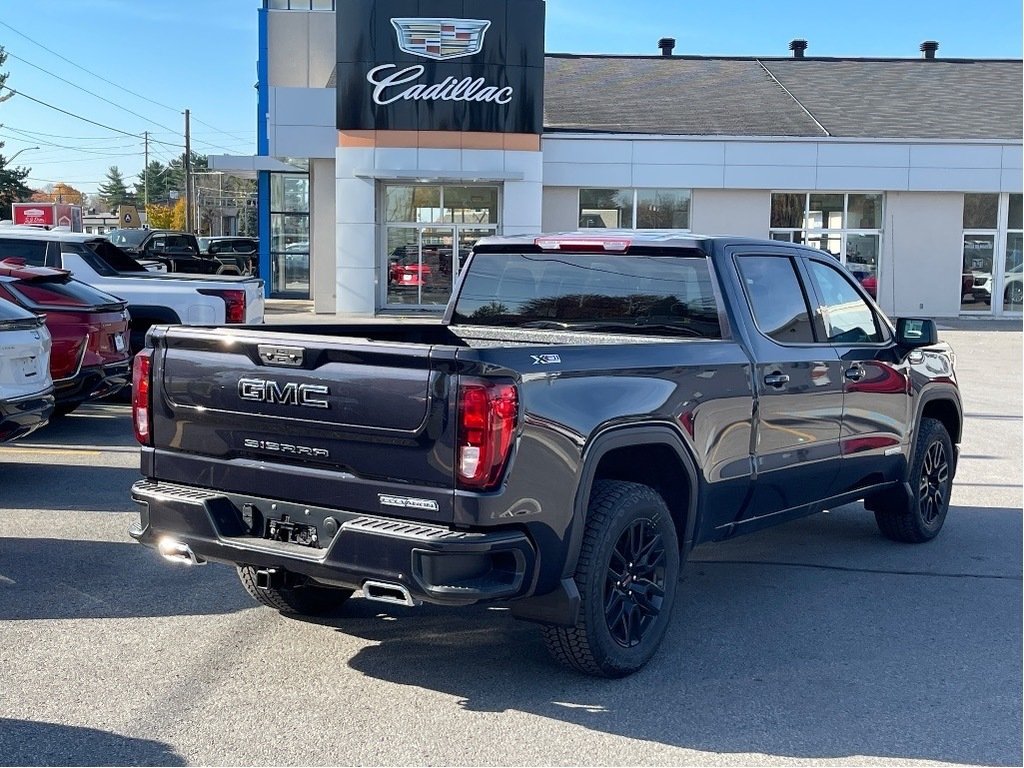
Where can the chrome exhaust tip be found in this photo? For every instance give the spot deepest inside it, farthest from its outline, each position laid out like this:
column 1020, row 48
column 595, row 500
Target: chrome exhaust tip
column 385, row 592
column 178, row 552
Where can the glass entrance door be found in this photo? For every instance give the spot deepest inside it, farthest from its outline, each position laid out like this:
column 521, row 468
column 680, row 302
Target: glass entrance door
column 429, row 231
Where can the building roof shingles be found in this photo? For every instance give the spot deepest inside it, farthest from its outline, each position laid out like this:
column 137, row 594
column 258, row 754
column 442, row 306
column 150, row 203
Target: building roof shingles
column 854, row 98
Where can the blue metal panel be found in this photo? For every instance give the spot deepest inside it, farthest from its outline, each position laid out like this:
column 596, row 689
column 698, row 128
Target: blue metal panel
column 263, row 148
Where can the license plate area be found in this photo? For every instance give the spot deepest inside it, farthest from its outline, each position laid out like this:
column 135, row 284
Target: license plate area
column 119, row 343
column 290, row 532
column 25, row 367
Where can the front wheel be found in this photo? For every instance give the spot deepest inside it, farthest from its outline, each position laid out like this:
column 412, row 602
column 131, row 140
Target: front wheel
column 1014, row 293
column 303, row 600
column 918, row 517
column 627, row 574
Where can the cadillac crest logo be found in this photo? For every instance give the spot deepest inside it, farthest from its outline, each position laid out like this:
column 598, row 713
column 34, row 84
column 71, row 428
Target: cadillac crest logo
column 441, row 39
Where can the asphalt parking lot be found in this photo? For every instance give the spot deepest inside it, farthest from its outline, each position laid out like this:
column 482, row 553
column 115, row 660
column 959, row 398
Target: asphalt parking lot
column 815, row 642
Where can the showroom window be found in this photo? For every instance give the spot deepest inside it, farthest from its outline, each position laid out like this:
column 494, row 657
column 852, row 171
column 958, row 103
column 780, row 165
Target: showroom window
column 429, row 230
column 289, row 235
column 992, row 225
column 634, row 208
column 846, row 224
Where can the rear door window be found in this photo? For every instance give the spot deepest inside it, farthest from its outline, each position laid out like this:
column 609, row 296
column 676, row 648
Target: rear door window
column 776, row 299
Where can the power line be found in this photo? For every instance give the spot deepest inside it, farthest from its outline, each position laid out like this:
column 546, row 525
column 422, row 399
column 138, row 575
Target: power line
column 105, row 80
column 84, row 119
column 99, row 77
column 86, row 90
column 87, row 150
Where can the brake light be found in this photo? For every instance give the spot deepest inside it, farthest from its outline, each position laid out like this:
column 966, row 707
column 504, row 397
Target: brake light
column 582, row 243
column 487, row 426
column 234, row 303
column 142, row 415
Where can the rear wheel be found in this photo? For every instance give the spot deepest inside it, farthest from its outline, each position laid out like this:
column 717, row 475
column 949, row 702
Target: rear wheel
column 304, row 600
column 627, row 575
column 919, row 517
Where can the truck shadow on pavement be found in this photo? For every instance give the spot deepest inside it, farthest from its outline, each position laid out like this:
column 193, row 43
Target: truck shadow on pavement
column 68, row 579
column 26, row 742
column 768, row 657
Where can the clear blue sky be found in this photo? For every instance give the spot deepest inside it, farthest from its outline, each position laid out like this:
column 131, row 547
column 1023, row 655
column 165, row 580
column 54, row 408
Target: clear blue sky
column 201, row 54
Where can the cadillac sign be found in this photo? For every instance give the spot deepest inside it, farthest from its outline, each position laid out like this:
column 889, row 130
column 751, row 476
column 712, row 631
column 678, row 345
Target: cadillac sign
column 480, row 72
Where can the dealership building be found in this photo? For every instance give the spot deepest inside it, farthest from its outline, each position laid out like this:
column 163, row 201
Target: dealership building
column 392, row 134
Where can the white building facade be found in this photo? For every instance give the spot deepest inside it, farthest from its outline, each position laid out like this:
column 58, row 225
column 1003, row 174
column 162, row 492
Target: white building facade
column 365, row 220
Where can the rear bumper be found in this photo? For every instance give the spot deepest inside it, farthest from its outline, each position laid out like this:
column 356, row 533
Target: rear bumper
column 434, row 563
column 22, row 416
column 93, row 382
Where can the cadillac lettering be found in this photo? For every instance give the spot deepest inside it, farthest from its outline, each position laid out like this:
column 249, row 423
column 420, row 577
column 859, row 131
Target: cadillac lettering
column 291, row 393
column 449, row 89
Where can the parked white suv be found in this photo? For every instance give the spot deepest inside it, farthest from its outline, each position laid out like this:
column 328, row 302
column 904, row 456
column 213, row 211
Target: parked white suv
column 153, row 297
column 26, row 389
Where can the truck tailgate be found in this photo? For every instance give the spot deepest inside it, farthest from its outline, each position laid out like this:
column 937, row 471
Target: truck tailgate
column 333, row 421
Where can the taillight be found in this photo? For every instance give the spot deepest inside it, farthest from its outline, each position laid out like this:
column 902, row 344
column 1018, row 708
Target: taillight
column 234, row 302
column 487, row 427
column 142, row 415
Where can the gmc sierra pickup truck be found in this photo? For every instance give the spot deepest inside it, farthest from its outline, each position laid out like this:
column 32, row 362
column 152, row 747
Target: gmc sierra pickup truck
column 589, row 409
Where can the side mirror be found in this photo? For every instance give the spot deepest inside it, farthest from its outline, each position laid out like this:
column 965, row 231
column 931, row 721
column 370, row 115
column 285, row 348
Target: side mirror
column 914, row 332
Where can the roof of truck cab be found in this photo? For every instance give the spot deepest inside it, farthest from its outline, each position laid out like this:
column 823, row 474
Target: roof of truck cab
column 643, row 238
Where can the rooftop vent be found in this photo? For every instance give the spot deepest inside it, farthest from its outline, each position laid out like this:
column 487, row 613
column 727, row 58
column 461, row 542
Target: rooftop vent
column 928, row 49
column 798, row 47
column 667, row 45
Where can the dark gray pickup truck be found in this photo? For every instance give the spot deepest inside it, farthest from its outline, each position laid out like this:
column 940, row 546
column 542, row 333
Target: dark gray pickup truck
column 589, row 410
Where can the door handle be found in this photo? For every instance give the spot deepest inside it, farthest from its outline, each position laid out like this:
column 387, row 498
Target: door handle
column 855, row 372
column 777, row 380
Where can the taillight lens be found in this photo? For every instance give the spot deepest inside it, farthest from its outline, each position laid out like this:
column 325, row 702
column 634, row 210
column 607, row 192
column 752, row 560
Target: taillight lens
column 142, row 414
column 487, row 427
column 234, row 303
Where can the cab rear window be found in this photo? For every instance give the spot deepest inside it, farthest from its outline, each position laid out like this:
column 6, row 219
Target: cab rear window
column 634, row 293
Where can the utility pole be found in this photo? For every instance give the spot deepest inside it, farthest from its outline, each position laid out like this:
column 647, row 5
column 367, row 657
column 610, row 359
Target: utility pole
column 188, row 175
column 145, row 175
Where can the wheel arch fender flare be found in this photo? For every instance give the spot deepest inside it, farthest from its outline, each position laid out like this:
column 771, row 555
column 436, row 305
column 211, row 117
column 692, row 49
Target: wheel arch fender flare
column 932, row 393
column 625, row 437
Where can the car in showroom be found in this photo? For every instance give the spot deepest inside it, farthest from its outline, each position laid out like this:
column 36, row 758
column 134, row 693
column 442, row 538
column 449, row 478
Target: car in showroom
column 1013, row 288
column 89, row 356
column 26, row 389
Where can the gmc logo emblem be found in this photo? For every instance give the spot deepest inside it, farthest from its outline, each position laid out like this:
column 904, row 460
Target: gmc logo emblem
column 292, row 393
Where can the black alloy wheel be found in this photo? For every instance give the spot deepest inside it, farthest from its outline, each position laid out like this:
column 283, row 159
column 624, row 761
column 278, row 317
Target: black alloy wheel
column 933, row 490
column 635, row 588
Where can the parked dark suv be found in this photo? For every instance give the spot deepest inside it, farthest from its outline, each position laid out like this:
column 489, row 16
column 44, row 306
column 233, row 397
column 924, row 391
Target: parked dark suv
column 177, row 251
column 237, row 251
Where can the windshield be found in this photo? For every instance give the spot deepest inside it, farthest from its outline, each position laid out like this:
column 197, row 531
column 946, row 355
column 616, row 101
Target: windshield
column 653, row 295
column 127, row 237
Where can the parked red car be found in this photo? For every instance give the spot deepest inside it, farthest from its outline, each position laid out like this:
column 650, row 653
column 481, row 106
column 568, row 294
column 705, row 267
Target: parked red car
column 89, row 358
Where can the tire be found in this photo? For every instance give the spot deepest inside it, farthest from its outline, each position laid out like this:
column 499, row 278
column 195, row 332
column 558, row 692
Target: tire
column 305, row 600
column 620, row 627
column 919, row 517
